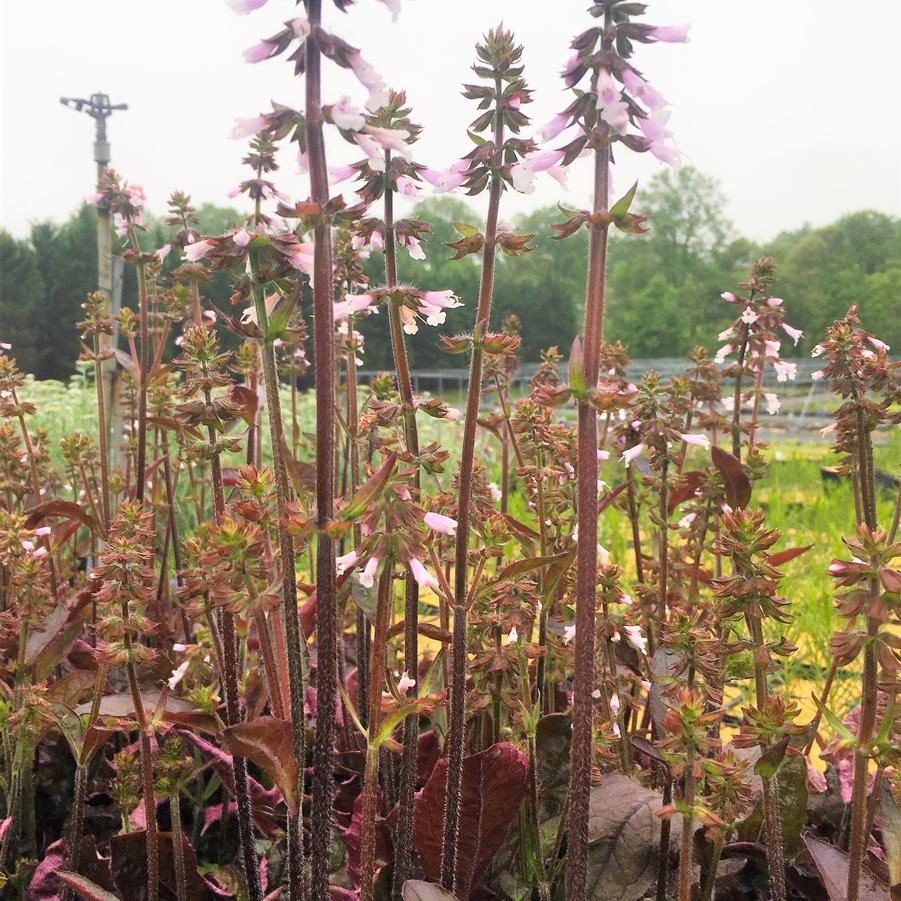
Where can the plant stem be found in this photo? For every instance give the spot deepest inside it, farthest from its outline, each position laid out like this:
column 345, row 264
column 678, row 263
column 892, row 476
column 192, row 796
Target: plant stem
column 181, row 880
column 868, row 691
column 371, row 776
column 586, row 552
column 324, row 351
column 403, row 859
column 293, row 639
column 685, row 853
column 457, row 708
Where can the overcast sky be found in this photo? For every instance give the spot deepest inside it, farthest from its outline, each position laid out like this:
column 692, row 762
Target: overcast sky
column 794, row 105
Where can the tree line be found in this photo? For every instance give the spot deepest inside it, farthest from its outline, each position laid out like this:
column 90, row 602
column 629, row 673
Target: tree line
column 663, row 289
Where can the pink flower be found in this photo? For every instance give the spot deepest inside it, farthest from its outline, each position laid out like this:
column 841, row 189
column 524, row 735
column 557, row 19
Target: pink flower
column 879, row 345
column 513, row 636
column 413, row 246
column 243, row 7
column 352, row 303
column 785, row 371
column 392, row 139
column 608, row 92
column 603, row 455
column 641, row 90
column 696, row 440
column 444, row 180
column 432, row 305
column 552, row 128
column 42, row 531
column 687, row 520
column 337, row 174
column 424, row 579
column 301, row 257
column 198, row 250
column 748, row 316
column 367, row 577
column 249, row 314
column 652, row 129
column 346, row 116
column 345, row 562
column 452, row 415
column 616, row 115
column 258, row 52
column 816, row 376
column 373, row 151
column 636, row 639
column 242, row 237
column 163, row 252
column 722, row 353
column 774, row 302
column 178, row 674
column 406, row 186
column 405, row 683
column 443, row 524
column 772, row 403
column 632, row 453
column 671, row 34
column 771, row 348
column 794, row 333
column 728, row 295
column 371, row 80
column 569, row 633
column 818, row 351
column 244, row 128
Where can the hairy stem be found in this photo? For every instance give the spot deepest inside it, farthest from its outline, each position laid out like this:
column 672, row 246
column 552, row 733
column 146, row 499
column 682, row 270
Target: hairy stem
column 457, row 710
column 586, row 552
column 326, row 593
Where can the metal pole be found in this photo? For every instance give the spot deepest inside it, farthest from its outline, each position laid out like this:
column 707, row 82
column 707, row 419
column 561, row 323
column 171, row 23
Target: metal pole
column 99, row 108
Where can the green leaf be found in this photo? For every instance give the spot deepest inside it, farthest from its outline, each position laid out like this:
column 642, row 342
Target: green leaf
column 278, row 322
column 621, row 207
column 771, row 759
column 466, row 231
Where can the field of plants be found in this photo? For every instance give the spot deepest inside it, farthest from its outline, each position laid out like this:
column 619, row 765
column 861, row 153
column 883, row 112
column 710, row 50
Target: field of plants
column 593, row 638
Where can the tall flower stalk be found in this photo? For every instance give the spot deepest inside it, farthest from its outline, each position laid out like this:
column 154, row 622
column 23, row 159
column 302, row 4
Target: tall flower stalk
column 324, row 355
column 498, row 57
column 599, row 117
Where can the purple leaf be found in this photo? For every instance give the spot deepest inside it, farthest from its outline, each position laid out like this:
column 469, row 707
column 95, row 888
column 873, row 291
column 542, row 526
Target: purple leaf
column 494, row 785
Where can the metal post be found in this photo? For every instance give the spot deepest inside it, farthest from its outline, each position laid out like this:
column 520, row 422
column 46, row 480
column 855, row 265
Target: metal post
column 99, row 108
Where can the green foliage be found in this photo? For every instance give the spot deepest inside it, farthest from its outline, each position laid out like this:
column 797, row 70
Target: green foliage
column 663, row 287
column 21, row 291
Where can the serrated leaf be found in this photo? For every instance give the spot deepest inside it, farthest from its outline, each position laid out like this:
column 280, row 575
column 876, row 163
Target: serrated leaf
column 269, row 743
column 493, row 787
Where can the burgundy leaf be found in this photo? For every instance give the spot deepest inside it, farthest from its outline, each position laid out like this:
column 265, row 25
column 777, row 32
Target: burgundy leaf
column 84, row 888
column 268, row 742
column 494, row 785
column 738, row 485
column 264, row 800
column 685, row 489
column 789, row 553
column 832, row 867
column 128, row 852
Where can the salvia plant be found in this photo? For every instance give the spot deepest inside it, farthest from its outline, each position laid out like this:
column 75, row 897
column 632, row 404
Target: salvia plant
column 351, row 641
